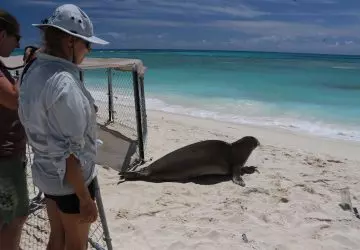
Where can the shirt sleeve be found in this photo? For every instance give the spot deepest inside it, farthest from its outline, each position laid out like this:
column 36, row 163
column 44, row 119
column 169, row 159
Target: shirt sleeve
column 66, row 122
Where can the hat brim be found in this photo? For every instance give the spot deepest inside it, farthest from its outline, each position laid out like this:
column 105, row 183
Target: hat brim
column 92, row 39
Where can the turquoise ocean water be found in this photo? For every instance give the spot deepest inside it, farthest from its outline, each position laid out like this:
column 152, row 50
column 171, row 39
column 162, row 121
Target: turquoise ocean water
column 318, row 94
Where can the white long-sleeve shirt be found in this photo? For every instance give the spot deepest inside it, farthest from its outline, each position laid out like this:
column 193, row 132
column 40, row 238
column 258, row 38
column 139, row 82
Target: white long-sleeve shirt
column 58, row 115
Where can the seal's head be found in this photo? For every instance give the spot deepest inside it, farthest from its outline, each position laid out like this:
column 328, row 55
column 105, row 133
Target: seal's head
column 248, row 142
column 242, row 149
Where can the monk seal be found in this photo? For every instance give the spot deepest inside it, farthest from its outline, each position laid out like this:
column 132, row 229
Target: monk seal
column 209, row 157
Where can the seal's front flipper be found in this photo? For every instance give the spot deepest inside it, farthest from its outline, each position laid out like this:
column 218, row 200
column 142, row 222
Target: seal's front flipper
column 237, row 179
column 238, row 172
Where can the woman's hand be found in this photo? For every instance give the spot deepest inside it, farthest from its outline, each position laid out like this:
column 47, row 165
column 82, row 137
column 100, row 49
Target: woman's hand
column 88, row 211
column 73, row 174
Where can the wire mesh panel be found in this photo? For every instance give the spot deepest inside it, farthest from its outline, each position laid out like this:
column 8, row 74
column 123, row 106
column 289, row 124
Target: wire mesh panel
column 96, row 83
column 36, row 231
column 113, row 92
column 96, row 236
column 117, row 95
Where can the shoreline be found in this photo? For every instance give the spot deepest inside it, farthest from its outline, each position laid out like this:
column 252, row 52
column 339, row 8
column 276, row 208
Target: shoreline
column 269, row 135
column 152, row 105
column 336, row 128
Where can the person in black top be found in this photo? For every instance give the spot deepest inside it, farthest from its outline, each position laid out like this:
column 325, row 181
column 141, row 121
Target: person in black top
column 29, row 53
column 14, row 200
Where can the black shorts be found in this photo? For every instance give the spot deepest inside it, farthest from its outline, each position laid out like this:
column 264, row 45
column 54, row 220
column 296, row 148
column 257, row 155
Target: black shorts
column 70, row 204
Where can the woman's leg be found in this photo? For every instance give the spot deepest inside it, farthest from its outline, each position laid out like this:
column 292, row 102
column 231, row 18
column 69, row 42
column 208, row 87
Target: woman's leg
column 57, row 233
column 76, row 233
column 10, row 234
column 12, row 173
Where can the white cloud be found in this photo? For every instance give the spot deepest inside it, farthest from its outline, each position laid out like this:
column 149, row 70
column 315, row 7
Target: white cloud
column 116, row 35
column 39, row 2
column 332, row 13
column 302, row 1
column 237, row 10
column 116, row 12
column 200, row 7
column 161, row 36
column 138, row 22
column 273, row 39
column 278, row 28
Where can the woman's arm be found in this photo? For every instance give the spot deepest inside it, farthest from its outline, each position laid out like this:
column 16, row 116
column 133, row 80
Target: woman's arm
column 8, row 93
column 74, row 176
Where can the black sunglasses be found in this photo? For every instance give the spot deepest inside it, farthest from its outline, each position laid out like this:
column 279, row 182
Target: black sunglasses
column 17, row 36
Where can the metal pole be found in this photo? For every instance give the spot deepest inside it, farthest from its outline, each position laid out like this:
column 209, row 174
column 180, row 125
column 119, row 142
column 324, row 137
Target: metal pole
column 102, row 216
column 110, row 96
column 143, row 110
column 138, row 113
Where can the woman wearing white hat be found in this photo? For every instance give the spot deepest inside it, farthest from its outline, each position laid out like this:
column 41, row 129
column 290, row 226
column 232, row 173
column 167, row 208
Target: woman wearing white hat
column 58, row 115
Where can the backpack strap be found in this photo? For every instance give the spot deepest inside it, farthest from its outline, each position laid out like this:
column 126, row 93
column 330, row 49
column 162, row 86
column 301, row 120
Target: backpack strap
column 27, row 66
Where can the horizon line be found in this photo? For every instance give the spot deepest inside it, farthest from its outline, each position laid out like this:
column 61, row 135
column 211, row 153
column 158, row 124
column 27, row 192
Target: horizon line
column 222, row 50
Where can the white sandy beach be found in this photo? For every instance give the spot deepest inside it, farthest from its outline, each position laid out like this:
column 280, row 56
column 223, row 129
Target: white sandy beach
column 292, row 204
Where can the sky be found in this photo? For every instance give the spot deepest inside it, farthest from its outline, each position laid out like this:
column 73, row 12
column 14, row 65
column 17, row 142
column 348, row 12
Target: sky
column 313, row 26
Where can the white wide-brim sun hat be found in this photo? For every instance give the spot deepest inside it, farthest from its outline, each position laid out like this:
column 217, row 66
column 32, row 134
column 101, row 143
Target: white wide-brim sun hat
column 72, row 20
